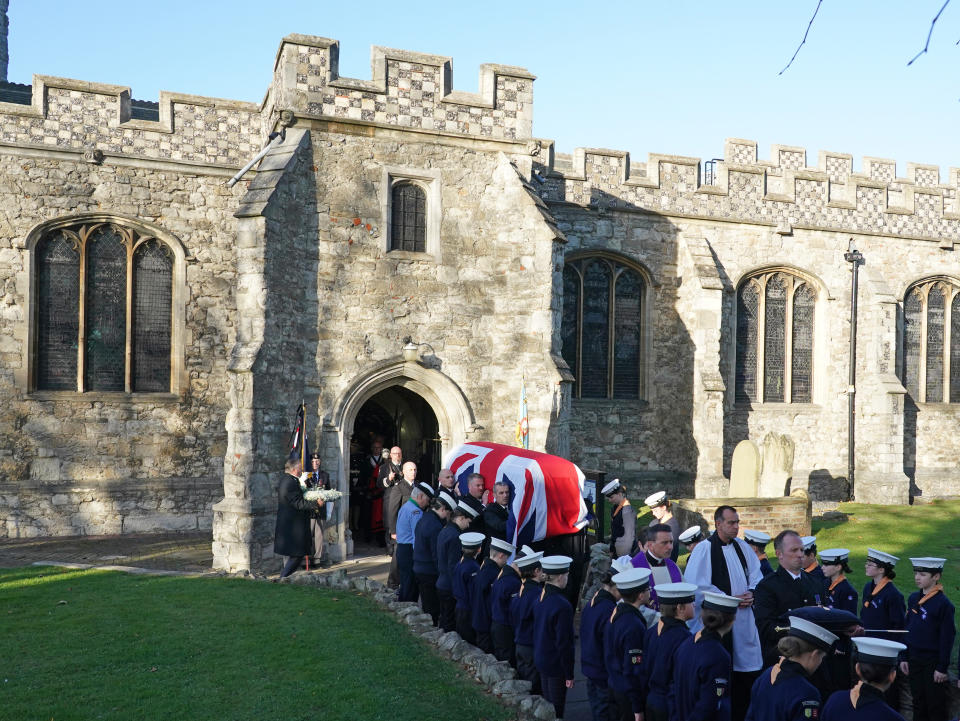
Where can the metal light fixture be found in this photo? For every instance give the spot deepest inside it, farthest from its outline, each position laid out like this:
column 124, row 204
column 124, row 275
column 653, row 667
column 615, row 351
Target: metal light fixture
column 855, row 258
column 411, row 349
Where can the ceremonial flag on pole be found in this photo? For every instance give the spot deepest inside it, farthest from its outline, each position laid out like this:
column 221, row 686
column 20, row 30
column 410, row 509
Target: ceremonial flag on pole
column 299, row 443
column 523, row 427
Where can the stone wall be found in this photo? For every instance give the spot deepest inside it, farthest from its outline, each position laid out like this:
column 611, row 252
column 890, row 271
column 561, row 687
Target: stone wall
column 770, row 515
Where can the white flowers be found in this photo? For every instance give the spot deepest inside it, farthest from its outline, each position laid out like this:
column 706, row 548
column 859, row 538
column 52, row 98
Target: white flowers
column 321, row 494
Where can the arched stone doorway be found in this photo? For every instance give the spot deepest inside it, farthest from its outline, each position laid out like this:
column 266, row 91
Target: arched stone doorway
column 407, row 398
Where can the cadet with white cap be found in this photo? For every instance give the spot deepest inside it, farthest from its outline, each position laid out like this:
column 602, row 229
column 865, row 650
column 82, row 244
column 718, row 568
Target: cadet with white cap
column 883, row 605
column 876, row 661
column 504, row 588
column 661, row 641
column 783, row 692
column 702, row 666
column 660, row 505
column 810, row 564
column 758, row 540
column 623, row 643
column 521, row 616
column 463, row 580
column 553, row 633
column 426, row 566
column 839, row 592
column 448, row 555
column 623, row 519
column 480, row 608
column 407, row 519
column 691, row 537
column 930, row 635
column 594, row 618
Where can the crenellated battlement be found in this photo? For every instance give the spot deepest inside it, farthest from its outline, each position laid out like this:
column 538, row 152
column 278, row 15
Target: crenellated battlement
column 97, row 117
column 783, row 192
column 406, row 89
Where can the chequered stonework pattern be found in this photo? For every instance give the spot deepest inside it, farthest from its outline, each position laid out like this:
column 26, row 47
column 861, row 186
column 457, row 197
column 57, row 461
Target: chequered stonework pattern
column 839, row 168
column 78, row 119
column 792, row 159
column 927, row 177
column 886, row 172
column 744, row 154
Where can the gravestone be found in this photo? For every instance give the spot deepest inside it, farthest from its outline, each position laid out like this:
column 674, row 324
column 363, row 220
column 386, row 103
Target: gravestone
column 745, row 470
column 777, row 469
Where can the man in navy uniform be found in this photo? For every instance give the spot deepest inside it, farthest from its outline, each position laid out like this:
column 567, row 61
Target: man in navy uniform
column 930, row 635
column 553, row 633
column 623, row 643
column 787, row 588
column 502, row 593
column 448, row 556
column 877, row 668
column 758, row 540
column 521, row 616
column 500, row 551
column 594, row 618
column 660, row 643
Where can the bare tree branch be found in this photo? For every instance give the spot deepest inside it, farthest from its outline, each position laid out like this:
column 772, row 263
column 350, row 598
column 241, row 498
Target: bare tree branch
column 929, row 33
column 803, row 42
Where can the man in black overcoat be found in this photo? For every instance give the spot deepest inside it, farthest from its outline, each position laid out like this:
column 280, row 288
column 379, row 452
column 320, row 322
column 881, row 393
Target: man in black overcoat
column 785, row 589
column 292, row 536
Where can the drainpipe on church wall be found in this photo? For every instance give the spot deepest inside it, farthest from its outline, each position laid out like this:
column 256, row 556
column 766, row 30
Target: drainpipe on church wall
column 855, row 258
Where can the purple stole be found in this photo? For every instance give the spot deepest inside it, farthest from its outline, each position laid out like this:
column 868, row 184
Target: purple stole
column 640, row 561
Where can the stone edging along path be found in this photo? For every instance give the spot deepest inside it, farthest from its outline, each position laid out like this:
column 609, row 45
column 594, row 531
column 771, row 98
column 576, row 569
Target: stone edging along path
column 498, row 677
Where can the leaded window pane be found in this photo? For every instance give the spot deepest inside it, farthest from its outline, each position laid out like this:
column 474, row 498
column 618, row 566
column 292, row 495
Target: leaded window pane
column 58, row 316
column 748, row 308
column 106, row 290
column 626, row 337
column 570, row 331
column 595, row 340
column 409, row 218
column 912, row 333
column 774, row 348
column 935, row 331
column 152, row 295
column 801, row 362
column 955, row 349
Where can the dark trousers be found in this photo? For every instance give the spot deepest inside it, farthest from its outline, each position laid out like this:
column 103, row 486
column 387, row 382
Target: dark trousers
column 655, row 713
column 741, row 682
column 464, row 626
column 929, row 698
column 526, row 668
column 503, row 643
column 427, row 583
column 622, row 707
column 555, row 691
column 393, row 576
column 448, row 612
column 484, row 641
column 292, row 564
column 598, row 694
column 408, row 582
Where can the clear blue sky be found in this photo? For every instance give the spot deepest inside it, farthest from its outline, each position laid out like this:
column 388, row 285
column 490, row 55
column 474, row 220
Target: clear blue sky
column 670, row 77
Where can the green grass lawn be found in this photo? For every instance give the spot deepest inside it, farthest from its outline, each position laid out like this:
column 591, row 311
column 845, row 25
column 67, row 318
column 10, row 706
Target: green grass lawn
column 79, row 644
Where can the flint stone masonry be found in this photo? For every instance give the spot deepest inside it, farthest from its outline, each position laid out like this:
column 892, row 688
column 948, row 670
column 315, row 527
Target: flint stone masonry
column 286, row 289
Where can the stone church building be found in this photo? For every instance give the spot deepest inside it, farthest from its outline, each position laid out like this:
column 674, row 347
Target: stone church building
column 159, row 327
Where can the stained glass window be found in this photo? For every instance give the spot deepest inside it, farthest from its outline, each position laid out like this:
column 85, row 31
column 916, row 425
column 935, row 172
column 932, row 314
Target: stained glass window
column 775, row 324
column 408, row 224
column 58, row 322
column 602, row 327
column 931, row 341
column 152, row 296
column 116, row 272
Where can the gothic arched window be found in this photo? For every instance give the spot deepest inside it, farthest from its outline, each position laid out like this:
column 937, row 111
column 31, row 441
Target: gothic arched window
column 775, row 313
column 104, row 298
column 602, row 327
column 408, row 219
column 931, row 342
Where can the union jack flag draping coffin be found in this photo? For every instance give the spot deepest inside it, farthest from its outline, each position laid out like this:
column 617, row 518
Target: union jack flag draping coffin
column 546, row 492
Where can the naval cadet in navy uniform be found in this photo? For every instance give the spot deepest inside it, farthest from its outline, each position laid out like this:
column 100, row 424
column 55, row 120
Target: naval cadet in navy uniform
column 835, row 673
column 839, row 592
column 521, row 616
column 877, row 668
column 502, row 592
column 810, row 564
column 463, row 580
column 623, row 643
column 594, row 618
column 553, row 633
column 500, row 551
column 930, row 635
column 783, row 692
column 758, row 541
column 882, row 606
column 702, row 666
column 661, row 641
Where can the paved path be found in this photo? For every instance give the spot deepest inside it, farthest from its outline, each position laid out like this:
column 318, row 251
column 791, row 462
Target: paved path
column 191, row 553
